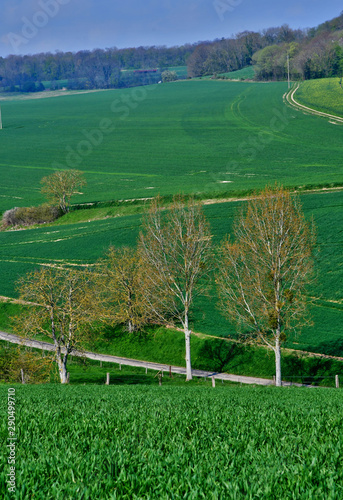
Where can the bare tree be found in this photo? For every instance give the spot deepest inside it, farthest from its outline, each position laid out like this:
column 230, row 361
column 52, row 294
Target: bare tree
column 60, row 186
column 264, row 273
column 65, row 302
column 122, row 282
column 175, row 249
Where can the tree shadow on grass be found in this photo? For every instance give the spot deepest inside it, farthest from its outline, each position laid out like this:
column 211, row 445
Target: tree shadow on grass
column 331, row 347
column 215, row 354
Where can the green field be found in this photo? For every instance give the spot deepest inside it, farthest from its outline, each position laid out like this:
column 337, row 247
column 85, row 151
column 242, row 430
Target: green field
column 325, row 95
column 85, row 242
column 246, row 73
column 171, row 442
column 194, row 136
column 181, row 71
column 205, row 137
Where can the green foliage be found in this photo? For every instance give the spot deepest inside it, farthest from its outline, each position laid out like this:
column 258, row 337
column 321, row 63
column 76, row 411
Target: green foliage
column 28, row 216
column 13, row 359
column 176, row 442
column 169, row 76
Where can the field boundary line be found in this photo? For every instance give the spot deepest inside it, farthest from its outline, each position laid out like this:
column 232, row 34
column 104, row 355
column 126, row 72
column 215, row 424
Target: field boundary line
column 289, row 97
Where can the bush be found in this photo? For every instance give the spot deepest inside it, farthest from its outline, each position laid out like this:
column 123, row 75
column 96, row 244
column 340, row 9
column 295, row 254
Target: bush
column 9, row 218
column 169, row 76
column 36, row 368
column 26, row 216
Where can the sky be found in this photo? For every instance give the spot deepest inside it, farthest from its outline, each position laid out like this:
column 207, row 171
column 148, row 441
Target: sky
column 33, row 26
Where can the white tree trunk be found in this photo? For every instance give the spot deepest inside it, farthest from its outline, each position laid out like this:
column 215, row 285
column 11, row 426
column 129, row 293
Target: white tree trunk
column 188, row 349
column 62, row 369
column 277, row 351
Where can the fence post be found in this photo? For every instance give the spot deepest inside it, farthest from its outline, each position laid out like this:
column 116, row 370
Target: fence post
column 274, row 380
column 119, row 366
column 22, row 376
column 337, row 382
column 159, row 379
column 146, row 370
column 68, row 377
column 213, row 382
column 170, row 374
column 107, row 379
column 100, row 363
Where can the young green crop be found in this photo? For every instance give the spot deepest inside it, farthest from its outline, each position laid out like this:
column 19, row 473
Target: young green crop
column 172, row 442
column 190, row 136
column 324, row 95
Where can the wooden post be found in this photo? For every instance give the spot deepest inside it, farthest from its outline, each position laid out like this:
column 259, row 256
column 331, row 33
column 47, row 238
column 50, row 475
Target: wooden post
column 213, row 382
column 68, row 374
column 170, row 373
column 119, row 366
column 22, row 376
column 146, row 370
column 100, row 363
column 337, row 382
column 274, row 381
column 222, row 381
column 159, row 379
column 107, row 379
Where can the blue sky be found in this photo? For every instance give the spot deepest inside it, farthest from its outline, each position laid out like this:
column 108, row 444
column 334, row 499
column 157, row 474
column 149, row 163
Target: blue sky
column 31, row 26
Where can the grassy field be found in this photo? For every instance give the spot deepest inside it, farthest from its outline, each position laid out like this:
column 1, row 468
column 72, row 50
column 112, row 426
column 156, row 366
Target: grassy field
column 173, row 442
column 193, row 136
column 325, row 95
column 246, row 73
column 84, row 242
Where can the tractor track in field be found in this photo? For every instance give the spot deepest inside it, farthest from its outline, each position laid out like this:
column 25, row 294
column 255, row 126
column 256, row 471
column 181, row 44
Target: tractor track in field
column 289, row 98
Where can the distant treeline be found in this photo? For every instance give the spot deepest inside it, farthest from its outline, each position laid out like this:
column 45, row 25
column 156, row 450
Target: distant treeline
column 313, row 53
column 90, row 69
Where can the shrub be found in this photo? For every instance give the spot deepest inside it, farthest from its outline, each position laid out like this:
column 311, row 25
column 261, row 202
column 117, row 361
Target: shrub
column 9, row 217
column 26, row 216
column 36, row 368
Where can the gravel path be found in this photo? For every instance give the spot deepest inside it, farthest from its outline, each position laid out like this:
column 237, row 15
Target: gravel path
column 15, row 339
column 290, row 99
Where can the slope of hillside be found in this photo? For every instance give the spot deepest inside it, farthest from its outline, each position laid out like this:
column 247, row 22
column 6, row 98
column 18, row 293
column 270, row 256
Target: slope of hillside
column 324, row 95
column 85, row 242
column 193, row 136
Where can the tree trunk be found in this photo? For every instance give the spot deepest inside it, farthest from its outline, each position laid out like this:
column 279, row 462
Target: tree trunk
column 277, row 351
column 188, row 349
column 62, row 368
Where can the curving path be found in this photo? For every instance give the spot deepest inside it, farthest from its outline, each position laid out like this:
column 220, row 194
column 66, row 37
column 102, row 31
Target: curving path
column 15, row 339
column 300, row 107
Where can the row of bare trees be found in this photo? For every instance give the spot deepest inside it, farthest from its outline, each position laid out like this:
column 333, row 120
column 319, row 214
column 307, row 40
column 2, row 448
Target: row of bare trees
column 261, row 276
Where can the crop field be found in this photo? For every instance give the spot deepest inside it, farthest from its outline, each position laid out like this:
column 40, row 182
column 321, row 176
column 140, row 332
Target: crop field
column 324, row 95
column 246, row 73
column 85, row 242
column 193, row 136
column 171, row 442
